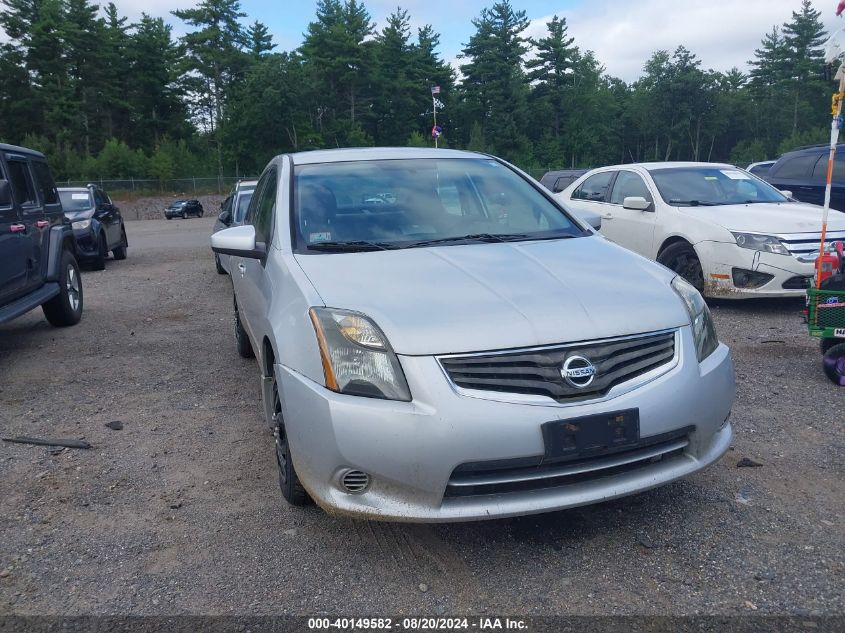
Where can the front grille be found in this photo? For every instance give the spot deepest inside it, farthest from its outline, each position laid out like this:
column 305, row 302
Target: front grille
column 805, row 243
column 537, row 372
column 525, row 475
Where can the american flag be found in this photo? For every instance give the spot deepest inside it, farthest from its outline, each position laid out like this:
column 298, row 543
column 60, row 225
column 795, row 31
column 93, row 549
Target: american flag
column 435, row 90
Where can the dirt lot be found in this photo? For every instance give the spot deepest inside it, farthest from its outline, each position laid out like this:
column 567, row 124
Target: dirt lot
column 179, row 512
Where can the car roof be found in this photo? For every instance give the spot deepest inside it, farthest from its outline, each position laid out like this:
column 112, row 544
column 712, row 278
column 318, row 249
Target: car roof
column 74, row 189
column 244, row 184
column 16, row 149
column 377, row 153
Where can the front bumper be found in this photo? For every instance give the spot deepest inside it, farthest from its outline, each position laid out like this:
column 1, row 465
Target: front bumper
column 410, row 450
column 87, row 243
column 718, row 259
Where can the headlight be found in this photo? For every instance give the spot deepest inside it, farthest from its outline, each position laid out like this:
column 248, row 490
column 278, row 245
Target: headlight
column 703, row 331
column 357, row 359
column 81, row 225
column 765, row 243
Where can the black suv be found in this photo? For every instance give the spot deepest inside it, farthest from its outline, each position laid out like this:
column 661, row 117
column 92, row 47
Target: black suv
column 37, row 264
column 558, row 180
column 804, row 172
column 96, row 222
column 183, row 209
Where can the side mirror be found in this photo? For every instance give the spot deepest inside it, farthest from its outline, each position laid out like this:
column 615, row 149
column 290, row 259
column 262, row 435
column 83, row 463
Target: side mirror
column 5, row 194
column 238, row 241
column 788, row 194
column 636, row 203
column 225, row 217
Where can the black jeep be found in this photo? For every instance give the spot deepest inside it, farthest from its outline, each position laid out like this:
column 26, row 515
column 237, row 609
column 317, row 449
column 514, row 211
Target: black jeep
column 37, row 264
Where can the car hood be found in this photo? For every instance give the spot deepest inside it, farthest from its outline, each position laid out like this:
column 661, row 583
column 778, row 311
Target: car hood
column 470, row 298
column 767, row 218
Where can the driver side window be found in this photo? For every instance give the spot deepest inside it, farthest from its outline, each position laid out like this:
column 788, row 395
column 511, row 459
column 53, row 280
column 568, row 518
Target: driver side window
column 262, row 208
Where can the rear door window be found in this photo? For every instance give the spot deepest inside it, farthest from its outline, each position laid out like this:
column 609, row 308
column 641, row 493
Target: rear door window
column 23, row 189
column 594, row 189
column 797, row 168
column 44, row 183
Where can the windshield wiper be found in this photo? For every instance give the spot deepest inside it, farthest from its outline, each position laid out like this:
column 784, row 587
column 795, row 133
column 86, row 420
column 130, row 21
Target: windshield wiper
column 695, row 203
column 478, row 237
column 352, row 247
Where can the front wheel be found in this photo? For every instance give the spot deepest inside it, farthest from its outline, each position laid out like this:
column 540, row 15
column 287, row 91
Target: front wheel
column 218, row 265
column 66, row 308
column 681, row 258
column 292, row 489
column 120, row 252
column 184, row 215
column 241, row 339
column 834, row 364
column 102, row 252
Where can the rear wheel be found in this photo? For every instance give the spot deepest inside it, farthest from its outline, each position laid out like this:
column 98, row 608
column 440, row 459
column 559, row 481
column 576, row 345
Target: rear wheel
column 681, row 258
column 120, row 251
column 66, row 308
column 241, row 339
column 834, row 364
column 102, row 253
column 292, row 489
column 827, row 343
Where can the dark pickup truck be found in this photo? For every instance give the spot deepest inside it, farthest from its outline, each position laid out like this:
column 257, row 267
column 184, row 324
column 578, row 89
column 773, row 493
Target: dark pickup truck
column 37, row 263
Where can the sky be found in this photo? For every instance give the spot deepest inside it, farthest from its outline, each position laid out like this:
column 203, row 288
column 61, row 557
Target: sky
column 623, row 33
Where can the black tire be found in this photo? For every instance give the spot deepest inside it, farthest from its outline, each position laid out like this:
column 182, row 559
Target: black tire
column 184, row 215
column 99, row 262
column 827, row 343
column 241, row 339
column 289, row 483
column 218, row 266
column 65, row 309
column 681, row 258
column 120, row 252
column 834, row 364
column 199, row 215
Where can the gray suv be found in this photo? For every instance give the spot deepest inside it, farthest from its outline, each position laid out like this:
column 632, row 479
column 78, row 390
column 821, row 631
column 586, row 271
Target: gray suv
column 465, row 348
column 37, row 264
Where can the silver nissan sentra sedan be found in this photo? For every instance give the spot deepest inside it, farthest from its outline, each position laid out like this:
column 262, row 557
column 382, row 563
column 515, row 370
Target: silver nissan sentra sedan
column 439, row 340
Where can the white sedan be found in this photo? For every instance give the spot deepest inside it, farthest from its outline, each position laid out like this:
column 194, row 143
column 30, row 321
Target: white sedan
column 727, row 232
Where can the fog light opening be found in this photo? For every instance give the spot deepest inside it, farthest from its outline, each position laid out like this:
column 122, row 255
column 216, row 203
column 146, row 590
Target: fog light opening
column 750, row 279
column 354, row 482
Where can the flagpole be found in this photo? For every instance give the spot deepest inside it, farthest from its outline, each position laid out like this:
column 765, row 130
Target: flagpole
column 434, row 105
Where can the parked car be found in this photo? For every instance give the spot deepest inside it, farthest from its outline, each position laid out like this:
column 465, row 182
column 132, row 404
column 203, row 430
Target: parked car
column 803, row 173
column 37, row 263
column 467, row 351
column 184, row 209
column 97, row 224
column 725, row 231
column 558, row 180
column 232, row 213
column 760, row 169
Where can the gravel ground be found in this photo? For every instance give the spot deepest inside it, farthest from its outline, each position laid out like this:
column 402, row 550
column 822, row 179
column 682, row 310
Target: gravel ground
column 179, row 512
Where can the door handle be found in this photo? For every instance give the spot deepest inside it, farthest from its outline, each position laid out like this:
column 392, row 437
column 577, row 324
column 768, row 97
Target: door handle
column 42, row 224
column 608, row 216
column 18, row 228
column 242, row 268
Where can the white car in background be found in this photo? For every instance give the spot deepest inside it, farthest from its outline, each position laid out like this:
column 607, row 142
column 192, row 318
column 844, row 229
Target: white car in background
column 727, row 232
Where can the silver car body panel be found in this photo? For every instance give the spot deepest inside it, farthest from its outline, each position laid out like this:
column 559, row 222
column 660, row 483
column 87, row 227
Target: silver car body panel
column 458, row 300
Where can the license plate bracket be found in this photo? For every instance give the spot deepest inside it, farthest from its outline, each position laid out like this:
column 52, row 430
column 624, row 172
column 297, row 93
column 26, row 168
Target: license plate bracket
column 591, row 434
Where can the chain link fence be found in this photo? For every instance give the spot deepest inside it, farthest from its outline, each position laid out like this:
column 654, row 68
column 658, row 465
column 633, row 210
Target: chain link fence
column 151, row 187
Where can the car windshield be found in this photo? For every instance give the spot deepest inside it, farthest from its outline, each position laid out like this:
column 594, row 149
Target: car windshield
column 177, row 204
column 712, row 186
column 243, row 204
column 76, row 201
column 389, row 204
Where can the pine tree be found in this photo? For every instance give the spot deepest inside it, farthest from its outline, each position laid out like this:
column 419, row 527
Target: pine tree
column 551, row 70
column 259, row 40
